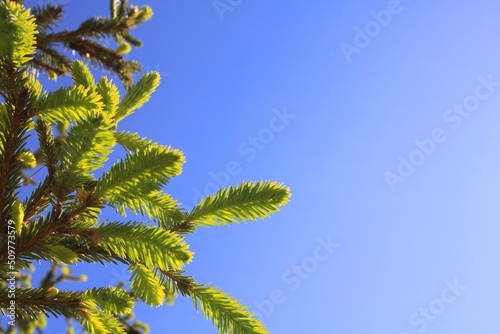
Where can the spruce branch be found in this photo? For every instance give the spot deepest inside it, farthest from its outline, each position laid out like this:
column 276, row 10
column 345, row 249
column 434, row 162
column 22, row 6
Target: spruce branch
column 31, row 302
column 13, row 141
column 88, row 40
column 157, row 205
column 225, row 312
column 248, row 201
column 111, row 300
column 68, row 104
column 151, row 246
column 81, row 75
column 147, row 285
column 47, row 15
column 138, row 95
column 86, row 148
column 140, row 173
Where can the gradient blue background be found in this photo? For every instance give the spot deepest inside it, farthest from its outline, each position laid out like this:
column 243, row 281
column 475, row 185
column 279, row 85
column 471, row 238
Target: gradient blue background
column 221, row 81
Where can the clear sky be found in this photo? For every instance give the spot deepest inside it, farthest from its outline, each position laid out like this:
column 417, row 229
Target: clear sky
column 381, row 116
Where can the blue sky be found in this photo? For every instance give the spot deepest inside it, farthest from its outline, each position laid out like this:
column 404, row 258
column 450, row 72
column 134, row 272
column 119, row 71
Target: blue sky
column 387, row 135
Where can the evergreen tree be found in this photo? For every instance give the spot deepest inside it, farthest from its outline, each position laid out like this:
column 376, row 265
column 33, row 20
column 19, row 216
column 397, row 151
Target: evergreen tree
column 77, row 127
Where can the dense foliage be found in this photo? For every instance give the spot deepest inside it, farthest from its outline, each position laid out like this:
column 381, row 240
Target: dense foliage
column 62, row 221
